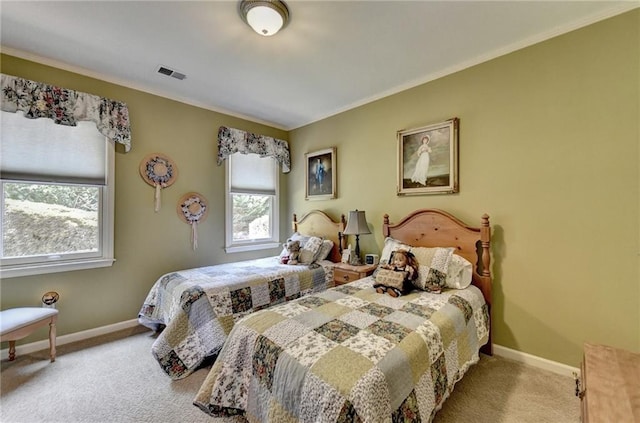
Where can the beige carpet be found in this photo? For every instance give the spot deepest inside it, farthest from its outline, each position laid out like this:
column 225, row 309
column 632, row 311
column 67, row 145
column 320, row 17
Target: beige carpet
column 114, row 378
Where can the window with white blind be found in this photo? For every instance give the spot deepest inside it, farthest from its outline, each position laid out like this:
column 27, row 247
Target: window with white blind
column 57, row 196
column 252, row 203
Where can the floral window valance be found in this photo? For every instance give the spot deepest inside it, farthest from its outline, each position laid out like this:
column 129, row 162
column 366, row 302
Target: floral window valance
column 231, row 140
column 66, row 107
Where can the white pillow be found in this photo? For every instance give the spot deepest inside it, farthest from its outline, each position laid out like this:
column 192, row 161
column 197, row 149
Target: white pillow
column 391, row 245
column 309, row 252
column 460, row 273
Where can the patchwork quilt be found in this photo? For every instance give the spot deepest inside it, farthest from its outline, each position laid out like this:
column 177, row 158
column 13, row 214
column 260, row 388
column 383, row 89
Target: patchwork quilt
column 348, row 354
column 198, row 307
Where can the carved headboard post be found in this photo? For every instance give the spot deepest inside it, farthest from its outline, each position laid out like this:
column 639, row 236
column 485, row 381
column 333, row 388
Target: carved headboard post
column 485, row 240
column 341, row 238
column 385, row 225
column 295, row 223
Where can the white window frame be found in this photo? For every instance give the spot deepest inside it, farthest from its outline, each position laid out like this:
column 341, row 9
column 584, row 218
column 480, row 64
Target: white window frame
column 257, row 244
column 20, row 266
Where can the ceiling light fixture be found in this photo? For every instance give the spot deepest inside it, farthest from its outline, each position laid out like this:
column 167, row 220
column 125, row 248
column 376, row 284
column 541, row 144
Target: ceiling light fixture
column 266, row 17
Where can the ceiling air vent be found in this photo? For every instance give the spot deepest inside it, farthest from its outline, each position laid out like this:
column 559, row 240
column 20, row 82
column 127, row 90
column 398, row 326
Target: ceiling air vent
column 170, row 72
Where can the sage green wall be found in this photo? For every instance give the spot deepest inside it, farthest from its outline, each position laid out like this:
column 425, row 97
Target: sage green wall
column 549, row 148
column 147, row 244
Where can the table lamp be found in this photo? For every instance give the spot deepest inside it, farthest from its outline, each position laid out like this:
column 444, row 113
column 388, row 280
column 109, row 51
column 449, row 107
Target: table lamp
column 357, row 225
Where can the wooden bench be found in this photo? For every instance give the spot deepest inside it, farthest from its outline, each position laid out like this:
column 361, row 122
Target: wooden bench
column 610, row 385
column 17, row 323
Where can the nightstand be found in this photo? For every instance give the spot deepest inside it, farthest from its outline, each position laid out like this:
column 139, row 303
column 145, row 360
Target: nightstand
column 345, row 273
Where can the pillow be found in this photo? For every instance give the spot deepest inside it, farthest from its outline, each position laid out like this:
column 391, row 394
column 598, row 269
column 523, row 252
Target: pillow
column 391, row 245
column 295, row 237
column 309, row 252
column 433, row 267
column 460, row 272
column 325, row 250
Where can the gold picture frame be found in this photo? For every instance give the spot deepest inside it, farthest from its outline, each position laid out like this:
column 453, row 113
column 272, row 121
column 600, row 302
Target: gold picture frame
column 428, row 159
column 320, row 171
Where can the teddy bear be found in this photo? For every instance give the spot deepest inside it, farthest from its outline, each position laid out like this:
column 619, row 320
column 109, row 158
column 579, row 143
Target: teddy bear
column 293, row 252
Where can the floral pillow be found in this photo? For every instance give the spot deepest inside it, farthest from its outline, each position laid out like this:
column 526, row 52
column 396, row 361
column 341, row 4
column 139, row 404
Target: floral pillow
column 309, row 251
column 325, row 250
column 433, row 267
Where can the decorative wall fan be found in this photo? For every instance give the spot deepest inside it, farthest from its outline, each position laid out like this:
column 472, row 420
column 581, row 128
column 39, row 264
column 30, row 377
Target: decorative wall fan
column 193, row 209
column 159, row 171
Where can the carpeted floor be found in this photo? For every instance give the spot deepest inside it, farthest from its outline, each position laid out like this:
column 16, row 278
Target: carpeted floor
column 114, row 378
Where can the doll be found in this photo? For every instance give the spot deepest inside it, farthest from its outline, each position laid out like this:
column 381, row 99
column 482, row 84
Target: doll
column 396, row 277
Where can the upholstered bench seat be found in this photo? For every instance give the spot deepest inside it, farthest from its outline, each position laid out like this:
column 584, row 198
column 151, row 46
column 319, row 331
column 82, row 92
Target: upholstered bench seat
column 17, row 323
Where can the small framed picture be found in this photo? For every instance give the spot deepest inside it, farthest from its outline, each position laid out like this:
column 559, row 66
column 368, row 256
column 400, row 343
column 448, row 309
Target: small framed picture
column 320, row 174
column 428, row 159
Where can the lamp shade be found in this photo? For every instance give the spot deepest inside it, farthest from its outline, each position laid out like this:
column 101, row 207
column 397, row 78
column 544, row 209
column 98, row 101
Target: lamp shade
column 357, row 223
column 266, row 17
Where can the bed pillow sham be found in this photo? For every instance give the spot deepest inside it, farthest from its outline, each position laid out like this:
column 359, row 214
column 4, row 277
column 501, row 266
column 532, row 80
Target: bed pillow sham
column 460, row 273
column 433, row 266
column 325, row 250
column 309, row 252
column 391, row 245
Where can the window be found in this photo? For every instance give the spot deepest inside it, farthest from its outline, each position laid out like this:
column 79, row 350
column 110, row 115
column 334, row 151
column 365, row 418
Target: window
column 57, row 196
column 252, row 203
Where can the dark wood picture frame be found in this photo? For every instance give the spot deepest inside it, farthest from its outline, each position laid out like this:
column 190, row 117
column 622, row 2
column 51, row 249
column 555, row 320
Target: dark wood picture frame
column 320, row 171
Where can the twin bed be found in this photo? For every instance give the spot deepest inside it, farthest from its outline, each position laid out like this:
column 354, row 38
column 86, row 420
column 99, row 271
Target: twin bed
column 194, row 309
column 350, row 354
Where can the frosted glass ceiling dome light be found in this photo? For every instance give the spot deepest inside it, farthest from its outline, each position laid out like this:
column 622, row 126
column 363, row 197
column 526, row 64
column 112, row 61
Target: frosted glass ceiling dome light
column 266, row 17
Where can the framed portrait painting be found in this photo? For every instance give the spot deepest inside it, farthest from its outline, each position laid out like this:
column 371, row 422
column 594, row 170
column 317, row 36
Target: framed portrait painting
column 320, row 174
column 428, row 159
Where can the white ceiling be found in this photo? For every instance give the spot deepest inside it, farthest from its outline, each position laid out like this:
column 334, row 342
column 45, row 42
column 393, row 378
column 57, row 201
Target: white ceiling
column 333, row 55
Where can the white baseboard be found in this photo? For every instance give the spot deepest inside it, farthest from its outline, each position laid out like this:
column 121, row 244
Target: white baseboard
column 67, row 339
column 521, row 357
column 535, row 361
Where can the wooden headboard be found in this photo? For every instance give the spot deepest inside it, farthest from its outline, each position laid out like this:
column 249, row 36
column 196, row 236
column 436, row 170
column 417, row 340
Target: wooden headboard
column 318, row 223
column 437, row 228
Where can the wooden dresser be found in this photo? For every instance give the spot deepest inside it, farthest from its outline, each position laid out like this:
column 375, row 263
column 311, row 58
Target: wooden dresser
column 610, row 385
